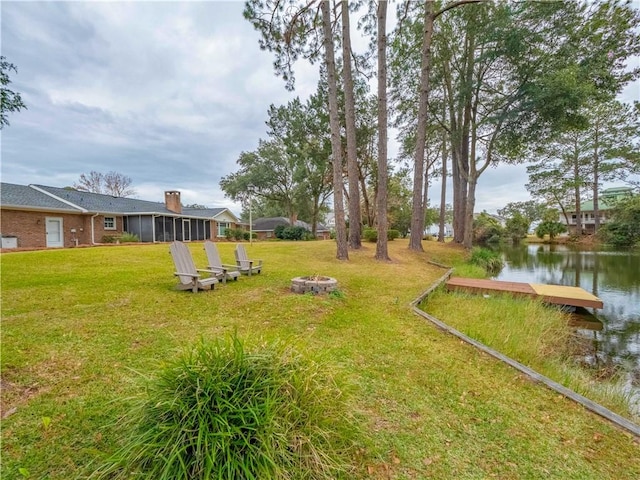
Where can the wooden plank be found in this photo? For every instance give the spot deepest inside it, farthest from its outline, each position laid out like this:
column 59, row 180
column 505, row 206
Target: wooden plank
column 478, row 285
column 564, row 295
column 554, row 294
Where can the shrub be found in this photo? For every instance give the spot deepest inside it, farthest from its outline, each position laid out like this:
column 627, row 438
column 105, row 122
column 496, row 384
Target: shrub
column 488, row 259
column 624, row 227
column 246, row 236
column 221, row 411
column 278, row 231
column 129, row 237
column 485, row 227
column 108, row 239
column 287, row 232
column 238, row 234
column 228, row 233
column 370, row 235
column 550, row 228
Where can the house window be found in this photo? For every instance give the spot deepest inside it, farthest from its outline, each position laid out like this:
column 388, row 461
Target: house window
column 109, row 223
column 222, row 226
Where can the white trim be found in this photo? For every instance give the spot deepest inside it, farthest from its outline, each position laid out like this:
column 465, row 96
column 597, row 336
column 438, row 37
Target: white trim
column 59, row 221
column 104, row 222
column 59, row 199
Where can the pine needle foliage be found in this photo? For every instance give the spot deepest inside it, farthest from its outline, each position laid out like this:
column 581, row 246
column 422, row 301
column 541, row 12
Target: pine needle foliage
column 220, row 411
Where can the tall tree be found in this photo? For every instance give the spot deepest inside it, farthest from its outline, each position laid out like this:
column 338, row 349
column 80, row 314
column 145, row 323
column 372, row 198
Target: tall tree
column 334, row 122
column 293, row 30
column 267, row 173
column 613, row 140
column 303, row 128
column 110, row 183
column 382, row 252
column 355, row 219
column 10, row 101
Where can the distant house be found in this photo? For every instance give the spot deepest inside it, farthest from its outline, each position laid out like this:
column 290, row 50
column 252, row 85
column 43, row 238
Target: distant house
column 434, row 229
column 606, row 201
column 264, row 228
column 38, row 216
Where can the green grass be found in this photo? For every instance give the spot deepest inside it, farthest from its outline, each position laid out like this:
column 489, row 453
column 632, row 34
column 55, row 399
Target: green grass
column 226, row 410
column 531, row 333
column 79, row 326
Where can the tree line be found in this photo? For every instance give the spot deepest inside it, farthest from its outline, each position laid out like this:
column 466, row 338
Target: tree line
column 468, row 84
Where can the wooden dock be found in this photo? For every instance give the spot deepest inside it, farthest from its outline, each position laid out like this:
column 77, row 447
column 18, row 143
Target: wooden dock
column 555, row 294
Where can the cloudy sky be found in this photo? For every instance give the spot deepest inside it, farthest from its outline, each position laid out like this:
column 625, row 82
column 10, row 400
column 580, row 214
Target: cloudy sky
column 167, row 93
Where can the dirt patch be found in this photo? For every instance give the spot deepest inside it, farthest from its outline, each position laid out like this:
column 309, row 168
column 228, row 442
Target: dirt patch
column 13, row 396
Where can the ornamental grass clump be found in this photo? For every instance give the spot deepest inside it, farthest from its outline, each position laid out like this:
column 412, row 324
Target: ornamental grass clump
column 220, row 411
column 488, row 259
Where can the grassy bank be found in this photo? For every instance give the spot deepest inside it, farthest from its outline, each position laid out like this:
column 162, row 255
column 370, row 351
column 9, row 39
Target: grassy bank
column 79, row 325
column 533, row 334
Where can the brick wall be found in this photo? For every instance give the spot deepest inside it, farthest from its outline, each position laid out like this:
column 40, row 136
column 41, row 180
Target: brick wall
column 30, row 227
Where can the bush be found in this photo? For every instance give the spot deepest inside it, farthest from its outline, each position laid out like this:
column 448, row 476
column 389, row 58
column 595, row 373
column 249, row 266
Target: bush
column 129, row 237
column 489, row 260
column 238, row 234
column 624, row 227
column 221, row 411
column 371, row 234
column 228, row 233
column 486, row 227
column 109, row 239
column 278, row 231
column 287, row 232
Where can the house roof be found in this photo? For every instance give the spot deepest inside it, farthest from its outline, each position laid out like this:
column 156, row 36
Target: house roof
column 97, row 202
column 43, row 197
column 25, row 197
column 607, row 198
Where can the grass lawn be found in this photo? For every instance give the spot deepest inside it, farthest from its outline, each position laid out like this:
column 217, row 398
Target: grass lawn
column 79, row 326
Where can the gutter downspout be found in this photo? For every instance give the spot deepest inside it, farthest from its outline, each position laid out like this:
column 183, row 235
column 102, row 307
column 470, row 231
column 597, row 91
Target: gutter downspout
column 93, row 236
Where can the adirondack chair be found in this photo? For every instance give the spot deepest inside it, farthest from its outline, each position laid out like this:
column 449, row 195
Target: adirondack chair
column 222, row 272
column 245, row 265
column 186, row 270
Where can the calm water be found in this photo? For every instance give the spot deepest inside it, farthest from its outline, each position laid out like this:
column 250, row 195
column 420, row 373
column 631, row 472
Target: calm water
column 614, row 276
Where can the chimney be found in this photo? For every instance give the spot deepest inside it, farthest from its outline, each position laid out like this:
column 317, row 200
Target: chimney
column 172, row 201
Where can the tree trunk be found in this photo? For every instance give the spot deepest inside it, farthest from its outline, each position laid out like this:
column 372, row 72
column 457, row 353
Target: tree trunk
column 465, row 160
column 355, row 217
column 417, row 214
column 382, row 252
column 596, row 181
column 443, row 191
column 470, row 205
column 576, row 179
column 334, row 122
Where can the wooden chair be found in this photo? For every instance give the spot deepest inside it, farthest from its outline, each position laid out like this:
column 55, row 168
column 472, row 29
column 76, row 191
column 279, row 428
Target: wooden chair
column 221, row 271
column 245, row 265
column 186, row 270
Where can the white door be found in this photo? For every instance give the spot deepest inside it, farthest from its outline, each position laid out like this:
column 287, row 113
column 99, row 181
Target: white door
column 186, row 230
column 55, row 237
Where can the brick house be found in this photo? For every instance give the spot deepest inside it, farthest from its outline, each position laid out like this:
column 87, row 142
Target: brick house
column 39, row 216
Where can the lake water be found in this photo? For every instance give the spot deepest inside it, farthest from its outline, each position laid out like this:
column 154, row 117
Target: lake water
column 611, row 275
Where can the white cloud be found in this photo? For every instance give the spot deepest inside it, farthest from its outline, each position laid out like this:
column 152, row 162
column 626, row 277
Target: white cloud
column 168, row 93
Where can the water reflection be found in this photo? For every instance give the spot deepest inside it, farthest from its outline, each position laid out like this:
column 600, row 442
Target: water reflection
column 614, row 276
